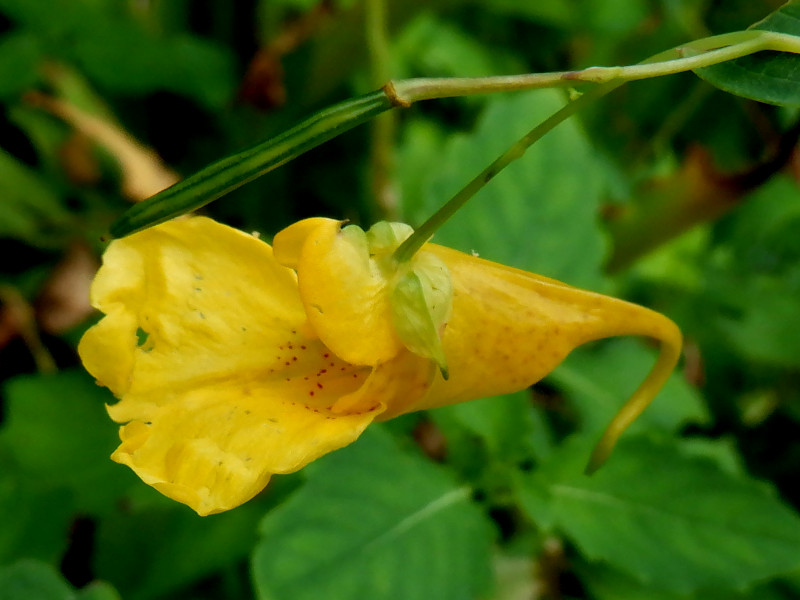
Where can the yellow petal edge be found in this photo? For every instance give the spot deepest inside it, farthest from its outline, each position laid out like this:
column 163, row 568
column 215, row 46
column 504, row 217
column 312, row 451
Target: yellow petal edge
column 232, row 364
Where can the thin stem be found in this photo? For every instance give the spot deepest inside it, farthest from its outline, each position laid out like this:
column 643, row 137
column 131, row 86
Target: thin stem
column 384, row 126
column 714, row 50
column 377, row 39
column 702, row 53
column 231, row 172
column 408, row 248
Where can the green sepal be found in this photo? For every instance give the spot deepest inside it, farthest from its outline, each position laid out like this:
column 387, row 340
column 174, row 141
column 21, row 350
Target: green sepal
column 421, row 301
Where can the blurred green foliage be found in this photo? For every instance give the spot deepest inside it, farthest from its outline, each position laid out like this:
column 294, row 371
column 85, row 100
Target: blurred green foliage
column 480, row 500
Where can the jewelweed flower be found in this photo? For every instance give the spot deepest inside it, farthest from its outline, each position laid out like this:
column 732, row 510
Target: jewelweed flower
column 234, row 360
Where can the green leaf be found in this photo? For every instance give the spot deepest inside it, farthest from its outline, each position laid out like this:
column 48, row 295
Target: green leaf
column 33, row 580
column 539, row 214
column 41, row 517
column 120, row 54
column 675, row 522
column 154, row 551
column 436, row 48
column 374, row 522
column 180, row 63
column 757, row 330
column 749, row 285
column 58, row 432
column 508, row 427
column 599, row 380
column 771, row 77
column 99, row 590
column 607, row 584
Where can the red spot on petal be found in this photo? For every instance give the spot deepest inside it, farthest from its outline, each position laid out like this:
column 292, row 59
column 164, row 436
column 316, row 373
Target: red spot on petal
column 311, row 392
column 323, row 371
column 319, row 385
column 326, row 355
column 302, row 347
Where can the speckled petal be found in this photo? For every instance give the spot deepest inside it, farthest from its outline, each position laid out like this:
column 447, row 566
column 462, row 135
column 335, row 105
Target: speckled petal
column 215, row 447
column 204, row 342
column 189, row 302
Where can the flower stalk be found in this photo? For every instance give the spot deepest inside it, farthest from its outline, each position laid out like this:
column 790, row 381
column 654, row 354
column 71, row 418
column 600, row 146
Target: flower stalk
column 221, row 177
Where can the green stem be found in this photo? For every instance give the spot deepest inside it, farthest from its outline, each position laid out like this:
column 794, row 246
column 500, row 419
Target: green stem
column 231, row 172
column 377, row 39
column 421, row 235
column 715, row 49
column 384, row 126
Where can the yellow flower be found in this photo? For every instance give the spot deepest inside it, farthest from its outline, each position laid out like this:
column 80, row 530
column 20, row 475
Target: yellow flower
column 232, row 362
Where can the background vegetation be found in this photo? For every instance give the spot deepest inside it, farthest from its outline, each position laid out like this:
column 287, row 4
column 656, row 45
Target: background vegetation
column 669, row 192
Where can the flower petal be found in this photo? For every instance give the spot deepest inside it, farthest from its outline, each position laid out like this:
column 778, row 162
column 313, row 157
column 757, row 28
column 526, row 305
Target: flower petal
column 204, row 340
column 397, row 385
column 510, row 328
column 288, row 243
column 188, row 302
column 344, row 292
column 215, row 447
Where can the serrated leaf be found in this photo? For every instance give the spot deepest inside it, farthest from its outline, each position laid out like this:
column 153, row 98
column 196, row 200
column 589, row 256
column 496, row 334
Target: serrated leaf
column 374, row 522
column 541, row 213
column 771, row 77
column 507, row 426
column 675, row 522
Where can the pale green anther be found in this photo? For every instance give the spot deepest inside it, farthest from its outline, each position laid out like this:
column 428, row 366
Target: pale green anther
column 421, row 300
